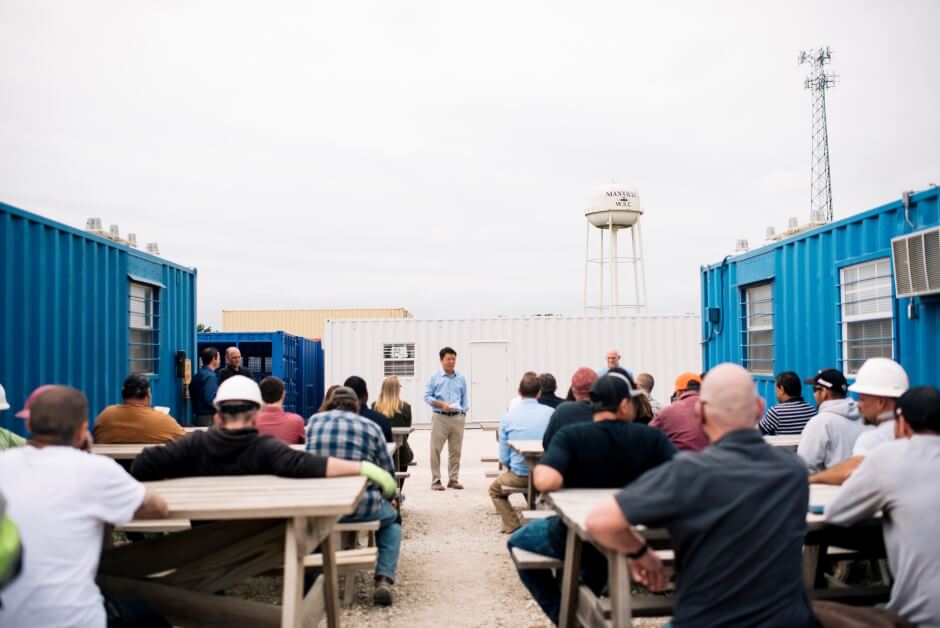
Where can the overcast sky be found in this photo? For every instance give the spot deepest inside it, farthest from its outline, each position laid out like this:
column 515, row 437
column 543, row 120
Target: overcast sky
column 437, row 155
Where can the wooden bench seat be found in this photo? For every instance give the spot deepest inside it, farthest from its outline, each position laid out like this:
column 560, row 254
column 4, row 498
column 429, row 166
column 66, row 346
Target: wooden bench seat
column 401, row 475
column 535, row 515
column 511, row 490
column 855, row 596
column 486, row 459
column 413, row 463
column 492, row 474
column 155, row 525
column 524, row 559
column 350, row 559
column 593, row 610
column 358, row 526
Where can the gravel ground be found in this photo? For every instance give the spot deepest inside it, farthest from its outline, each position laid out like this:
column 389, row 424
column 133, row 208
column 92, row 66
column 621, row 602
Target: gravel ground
column 454, row 568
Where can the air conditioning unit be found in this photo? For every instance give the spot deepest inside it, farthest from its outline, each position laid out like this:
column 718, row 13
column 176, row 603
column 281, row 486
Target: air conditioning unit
column 917, row 263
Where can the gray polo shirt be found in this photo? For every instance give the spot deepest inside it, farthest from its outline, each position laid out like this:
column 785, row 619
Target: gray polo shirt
column 900, row 478
column 736, row 512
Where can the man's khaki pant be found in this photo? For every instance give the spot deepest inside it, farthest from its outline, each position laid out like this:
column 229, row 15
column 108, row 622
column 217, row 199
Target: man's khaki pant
column 447, row 429
column 506, row 512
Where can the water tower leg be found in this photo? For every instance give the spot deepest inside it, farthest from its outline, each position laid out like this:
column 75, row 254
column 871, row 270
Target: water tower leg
column 639, row 270
column 614, row 273
column 587, row 257
column 600, row 278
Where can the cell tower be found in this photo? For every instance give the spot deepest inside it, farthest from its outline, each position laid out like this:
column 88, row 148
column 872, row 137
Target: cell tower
column 820, row 185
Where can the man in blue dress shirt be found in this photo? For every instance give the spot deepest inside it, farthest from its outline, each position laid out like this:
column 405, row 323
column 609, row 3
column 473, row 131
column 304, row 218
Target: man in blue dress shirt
column 446, row 393
column 526, row 421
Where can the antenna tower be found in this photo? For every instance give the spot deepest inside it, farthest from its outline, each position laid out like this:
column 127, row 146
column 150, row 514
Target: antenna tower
column 818, row 81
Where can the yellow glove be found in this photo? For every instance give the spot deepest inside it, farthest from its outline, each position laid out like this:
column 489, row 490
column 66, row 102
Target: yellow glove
column 381, row 477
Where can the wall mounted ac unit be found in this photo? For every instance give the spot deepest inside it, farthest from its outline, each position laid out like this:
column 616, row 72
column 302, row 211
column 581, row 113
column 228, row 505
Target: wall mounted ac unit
column 917, row 263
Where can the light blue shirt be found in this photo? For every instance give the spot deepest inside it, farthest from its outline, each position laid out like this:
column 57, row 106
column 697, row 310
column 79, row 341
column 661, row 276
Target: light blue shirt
column 526, row 421
column 449, row 388
column 601, row 372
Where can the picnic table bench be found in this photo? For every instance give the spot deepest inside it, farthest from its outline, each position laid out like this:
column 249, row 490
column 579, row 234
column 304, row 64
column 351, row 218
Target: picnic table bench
column 130, row 451
column 578, row 603
column 259, row 523
column 784, row 441
column 531, row 450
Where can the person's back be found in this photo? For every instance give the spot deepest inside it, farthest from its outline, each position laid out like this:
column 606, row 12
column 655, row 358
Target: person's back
column 287, row 427
column 567, row 413
column 124, row 423
column 202, row 388
column 900, row 477
column 738, row 553
column 380, row 420
column 527, row 421
column 787, row 417
column 679, row 423
column 829, row 437
column 219, row 451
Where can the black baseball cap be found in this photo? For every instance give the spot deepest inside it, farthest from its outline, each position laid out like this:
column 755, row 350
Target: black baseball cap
column 608, row 391
column 832, row 379
column 920, row 407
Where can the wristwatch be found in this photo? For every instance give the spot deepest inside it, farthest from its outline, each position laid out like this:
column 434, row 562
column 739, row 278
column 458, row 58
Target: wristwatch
column 639, row 553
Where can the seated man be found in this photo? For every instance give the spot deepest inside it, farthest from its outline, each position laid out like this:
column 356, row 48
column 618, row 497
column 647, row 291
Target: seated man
column 234, row 447
column 899, row 478
column 60, row 499
column 736, row 513
column 135, row 421
column 576, row 411
column 547, row 396
column 828, row 437
column 526, row 421
column 608, row 452
column 8, row 439
column 791, row 413
column 358, row 385
column 678, row 420
column 273, row 420
column 342, row 432
column 879, row 383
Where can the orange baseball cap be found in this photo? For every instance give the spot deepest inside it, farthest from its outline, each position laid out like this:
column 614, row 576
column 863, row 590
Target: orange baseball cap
column 683, row 381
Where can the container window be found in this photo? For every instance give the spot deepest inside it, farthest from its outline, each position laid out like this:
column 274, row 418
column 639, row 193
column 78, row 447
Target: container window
column 399, row 359
column 867, row 313
column 757, row 329
column 144, row 328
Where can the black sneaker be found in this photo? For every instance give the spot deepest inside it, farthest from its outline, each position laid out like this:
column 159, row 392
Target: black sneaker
column 383, row 591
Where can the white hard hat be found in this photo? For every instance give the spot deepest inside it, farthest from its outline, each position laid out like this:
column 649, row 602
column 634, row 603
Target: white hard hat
column 4, row 404
column 881, row 377
column 238, row 388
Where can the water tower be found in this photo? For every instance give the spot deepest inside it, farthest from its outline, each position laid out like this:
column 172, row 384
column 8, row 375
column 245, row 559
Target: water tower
column 611, row 209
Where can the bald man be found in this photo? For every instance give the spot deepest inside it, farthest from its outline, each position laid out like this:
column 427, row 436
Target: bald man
column 736, row 512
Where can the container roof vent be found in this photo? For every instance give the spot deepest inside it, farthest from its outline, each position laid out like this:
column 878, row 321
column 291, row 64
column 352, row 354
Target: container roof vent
column 917, row 263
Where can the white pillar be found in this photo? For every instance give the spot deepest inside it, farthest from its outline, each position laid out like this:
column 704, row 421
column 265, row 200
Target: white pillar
column 614, row 272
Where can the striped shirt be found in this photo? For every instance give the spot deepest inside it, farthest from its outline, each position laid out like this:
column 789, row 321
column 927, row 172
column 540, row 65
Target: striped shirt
column 787, row 417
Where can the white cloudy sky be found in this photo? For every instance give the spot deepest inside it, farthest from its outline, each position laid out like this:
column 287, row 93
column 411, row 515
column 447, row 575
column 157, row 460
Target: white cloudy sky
column 437, row 155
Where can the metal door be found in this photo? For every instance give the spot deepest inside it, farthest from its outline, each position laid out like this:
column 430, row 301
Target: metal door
column 489, row 395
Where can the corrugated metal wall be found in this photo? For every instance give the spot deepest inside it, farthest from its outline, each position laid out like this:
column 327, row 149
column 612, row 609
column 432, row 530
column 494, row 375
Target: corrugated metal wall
column 664, row 346
column 297, row 361
column 305, row 323
column 65, row 313
column 805, row 270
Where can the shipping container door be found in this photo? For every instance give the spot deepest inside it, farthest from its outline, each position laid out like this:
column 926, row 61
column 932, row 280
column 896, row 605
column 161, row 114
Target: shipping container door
column 489, row 379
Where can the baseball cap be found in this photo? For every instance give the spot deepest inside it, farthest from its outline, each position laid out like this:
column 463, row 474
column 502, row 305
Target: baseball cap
column 920, row 407
column 24, row 413
column 344, row 392
column 581, row 382
column 683, row 381
column 831, row 379
column 608, row 391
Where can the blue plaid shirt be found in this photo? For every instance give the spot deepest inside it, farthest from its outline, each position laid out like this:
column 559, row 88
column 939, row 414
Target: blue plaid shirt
column 343, row 434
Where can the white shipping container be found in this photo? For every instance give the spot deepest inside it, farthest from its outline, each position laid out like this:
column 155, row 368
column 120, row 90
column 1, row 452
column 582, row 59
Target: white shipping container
column 492, row 354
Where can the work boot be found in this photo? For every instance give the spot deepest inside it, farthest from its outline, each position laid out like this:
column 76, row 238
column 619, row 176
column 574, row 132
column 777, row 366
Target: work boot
column 383, row 591
column 455, row 484
column 437, row 486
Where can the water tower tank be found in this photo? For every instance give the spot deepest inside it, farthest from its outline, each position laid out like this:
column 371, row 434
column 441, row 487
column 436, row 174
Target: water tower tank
column 613, row 205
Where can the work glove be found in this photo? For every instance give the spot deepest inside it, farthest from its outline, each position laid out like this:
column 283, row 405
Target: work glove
column 380, row 476
column 10, row 551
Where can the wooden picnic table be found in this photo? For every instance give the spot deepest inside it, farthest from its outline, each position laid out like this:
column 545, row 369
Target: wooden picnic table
column 531, row 450
column 130, row 451
column 573, row 507
column 784, row 441
column 260, row 523
column 399, row 434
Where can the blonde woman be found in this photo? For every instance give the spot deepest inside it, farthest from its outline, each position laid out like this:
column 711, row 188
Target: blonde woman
column 398, row 412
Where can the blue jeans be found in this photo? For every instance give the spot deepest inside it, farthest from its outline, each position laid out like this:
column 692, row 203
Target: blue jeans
column 547, row 537
column 388, row 538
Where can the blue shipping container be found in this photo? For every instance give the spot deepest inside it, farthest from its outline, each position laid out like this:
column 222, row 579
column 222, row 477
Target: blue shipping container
column 298, row 361
column 81, row 310
column 824, row 298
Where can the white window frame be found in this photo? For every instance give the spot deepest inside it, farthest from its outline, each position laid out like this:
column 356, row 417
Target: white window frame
column 398, row 354
column 850, row 289
column 765, row 324
column 143, row 306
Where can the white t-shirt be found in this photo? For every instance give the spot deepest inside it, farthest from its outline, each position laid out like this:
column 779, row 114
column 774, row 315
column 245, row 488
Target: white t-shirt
column 60, row 499
column 871, row 439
